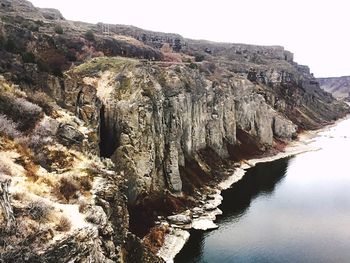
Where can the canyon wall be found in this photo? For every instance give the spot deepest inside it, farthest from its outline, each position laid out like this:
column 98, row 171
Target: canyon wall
column 140, row 115
column 158, row 115
column 339, row 87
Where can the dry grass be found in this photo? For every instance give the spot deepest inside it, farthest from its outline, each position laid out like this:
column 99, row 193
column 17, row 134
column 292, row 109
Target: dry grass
column 5, row 167
column 7, row 164
column 25, row 159
column 130, row 40
column 36, row 188
column 105, row 63
column 154, row 240
column 53, row 158
column 31, row 171
column 83, row 206
column 64, row 224
column 41, row 168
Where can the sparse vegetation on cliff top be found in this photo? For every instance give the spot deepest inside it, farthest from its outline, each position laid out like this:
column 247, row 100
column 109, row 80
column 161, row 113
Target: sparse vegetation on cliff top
column 100, row 64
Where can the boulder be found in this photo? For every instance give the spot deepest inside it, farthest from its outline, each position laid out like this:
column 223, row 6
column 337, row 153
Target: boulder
column 68, row 135
column 180, row 219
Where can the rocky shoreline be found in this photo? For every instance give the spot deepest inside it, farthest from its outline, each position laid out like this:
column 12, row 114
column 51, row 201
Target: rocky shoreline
column 203, row 217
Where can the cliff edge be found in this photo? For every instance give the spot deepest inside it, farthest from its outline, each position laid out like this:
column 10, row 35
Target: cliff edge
column 104, row 128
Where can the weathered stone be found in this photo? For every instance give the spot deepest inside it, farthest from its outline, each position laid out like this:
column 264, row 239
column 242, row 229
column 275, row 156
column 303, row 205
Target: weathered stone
column 69, row 135
column 51, row 14
column 283, row 129
column 180, row 219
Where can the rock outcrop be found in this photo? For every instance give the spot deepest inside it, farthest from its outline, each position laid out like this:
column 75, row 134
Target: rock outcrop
column 156, row 116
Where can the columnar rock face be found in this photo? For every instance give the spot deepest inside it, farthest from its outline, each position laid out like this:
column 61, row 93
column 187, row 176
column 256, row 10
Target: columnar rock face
column 156, row 116
column 338, row 86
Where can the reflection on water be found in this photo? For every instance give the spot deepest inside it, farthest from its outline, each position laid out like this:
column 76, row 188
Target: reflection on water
column 260, row 180
column 290, row 210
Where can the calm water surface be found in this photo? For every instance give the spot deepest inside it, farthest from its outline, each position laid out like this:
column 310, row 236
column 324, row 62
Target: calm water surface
column 290, row 210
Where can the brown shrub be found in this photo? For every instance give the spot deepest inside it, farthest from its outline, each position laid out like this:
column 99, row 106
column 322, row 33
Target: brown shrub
column 19, row 196
column 39, row 211
column 154, row 240
column 280, row 145
column 68, row 187
column 85, row 183
column 58, row 29
column 89, row 35
column 33, row 142
column 40, row 137
column 54, row 61
column 64, row 224
column 172, row 57
column 31, row 170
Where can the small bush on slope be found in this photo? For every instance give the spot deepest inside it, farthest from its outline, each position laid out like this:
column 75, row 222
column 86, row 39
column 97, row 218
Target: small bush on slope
column 68, row 187
column 39, row 211
column 21, row 111
column 8, row 127
column 64, row 224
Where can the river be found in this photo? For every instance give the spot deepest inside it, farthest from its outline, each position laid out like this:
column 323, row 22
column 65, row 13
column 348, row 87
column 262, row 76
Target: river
column 290, row 210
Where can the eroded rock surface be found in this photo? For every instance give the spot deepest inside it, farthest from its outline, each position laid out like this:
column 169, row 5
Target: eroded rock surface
column 155, row 117
column 169, row 116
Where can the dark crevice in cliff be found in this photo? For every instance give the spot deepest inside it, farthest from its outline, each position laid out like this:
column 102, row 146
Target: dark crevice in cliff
column 108, row 135
column 246, row 147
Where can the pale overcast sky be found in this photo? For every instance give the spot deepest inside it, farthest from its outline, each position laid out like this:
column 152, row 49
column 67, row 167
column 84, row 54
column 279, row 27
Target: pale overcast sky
column 317, row 32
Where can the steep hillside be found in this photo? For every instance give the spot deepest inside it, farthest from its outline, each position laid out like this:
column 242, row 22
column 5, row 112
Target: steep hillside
column 338, row 86
column 106, row 128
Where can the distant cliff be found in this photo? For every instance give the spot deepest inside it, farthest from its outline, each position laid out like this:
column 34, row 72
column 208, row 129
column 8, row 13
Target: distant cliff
column 338, row 86
column 168, row 115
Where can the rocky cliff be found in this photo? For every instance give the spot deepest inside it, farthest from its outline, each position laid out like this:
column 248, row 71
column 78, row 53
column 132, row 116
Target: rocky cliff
column 339, row 87
column 136, row 125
